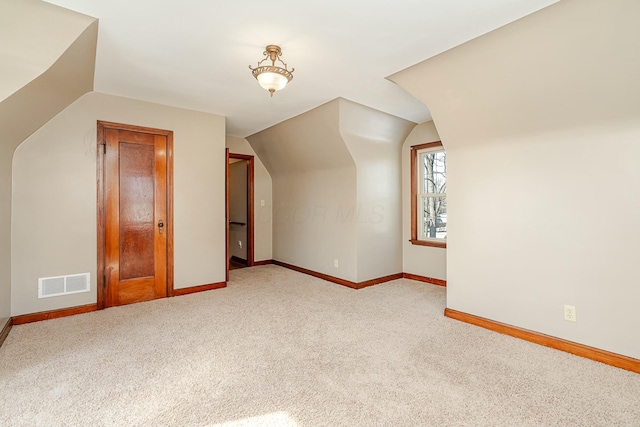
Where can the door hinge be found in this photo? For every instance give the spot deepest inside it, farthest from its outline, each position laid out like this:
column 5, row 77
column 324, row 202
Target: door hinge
column 104, row 281
column 104, row 147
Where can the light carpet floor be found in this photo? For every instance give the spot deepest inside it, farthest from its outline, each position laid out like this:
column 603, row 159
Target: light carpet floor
column 279, row 348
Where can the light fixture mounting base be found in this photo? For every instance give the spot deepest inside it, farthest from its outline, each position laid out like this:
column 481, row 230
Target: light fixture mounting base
column 272, row 48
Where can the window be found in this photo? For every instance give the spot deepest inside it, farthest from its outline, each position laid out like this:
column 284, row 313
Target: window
column 429, row 195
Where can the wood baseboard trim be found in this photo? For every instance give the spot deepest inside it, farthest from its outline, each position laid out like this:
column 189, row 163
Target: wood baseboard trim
column 5, row 330
column 265, row 262
column 379, row 280
column 201, row 288
column 425, row 279
column 603, row 356
column 322, row 276
column 239, row 260
column 53, row 314
column 337, row 280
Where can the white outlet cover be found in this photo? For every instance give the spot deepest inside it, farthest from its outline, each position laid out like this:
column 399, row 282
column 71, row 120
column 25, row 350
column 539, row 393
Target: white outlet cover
column 570, row 313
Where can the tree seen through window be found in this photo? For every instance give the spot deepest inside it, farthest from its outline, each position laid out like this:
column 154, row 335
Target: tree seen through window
column 433, row 194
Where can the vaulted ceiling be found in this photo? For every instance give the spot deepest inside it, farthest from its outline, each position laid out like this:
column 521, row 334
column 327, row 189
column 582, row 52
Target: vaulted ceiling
column 195, row 53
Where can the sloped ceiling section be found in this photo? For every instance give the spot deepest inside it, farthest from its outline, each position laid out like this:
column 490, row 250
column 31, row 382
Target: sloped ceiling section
column 33, row 35
column 47, row 61
column 35, row 103
column 575, row 69
column 541, row 123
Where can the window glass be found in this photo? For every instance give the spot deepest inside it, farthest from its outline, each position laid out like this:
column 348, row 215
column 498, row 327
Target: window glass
column 429, row 194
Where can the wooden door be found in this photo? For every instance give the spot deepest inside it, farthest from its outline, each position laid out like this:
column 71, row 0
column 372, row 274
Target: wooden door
column 136, row 218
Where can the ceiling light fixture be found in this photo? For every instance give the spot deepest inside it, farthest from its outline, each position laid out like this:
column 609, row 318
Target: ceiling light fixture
column 272, row 77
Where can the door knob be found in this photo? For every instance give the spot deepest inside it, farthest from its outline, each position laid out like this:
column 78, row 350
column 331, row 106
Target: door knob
column 160, row 226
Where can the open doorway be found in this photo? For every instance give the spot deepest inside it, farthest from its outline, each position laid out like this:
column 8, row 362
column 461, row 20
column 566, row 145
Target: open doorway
column 240, row 209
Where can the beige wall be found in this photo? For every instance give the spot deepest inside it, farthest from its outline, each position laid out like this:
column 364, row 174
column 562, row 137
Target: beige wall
column 44, row 66
column 262, row 192
column 421, row 260
column 314, row 188
column 54, row 197
column 6, row 152
column 541, row 123
column 374, row 140
column 238, row 209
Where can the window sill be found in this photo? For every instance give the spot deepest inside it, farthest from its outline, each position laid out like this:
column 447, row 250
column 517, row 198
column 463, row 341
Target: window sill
column 429, row 243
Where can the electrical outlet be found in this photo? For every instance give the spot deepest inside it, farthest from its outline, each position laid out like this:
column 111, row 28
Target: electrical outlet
column 335, row 263
column 569, row 313
column 240, row 243
column 261, row 202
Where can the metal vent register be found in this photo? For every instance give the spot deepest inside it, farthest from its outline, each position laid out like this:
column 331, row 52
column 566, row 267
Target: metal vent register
column 63, row 285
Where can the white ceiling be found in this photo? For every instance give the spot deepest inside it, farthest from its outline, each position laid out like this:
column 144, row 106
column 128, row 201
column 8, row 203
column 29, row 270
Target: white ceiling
column 195, row 53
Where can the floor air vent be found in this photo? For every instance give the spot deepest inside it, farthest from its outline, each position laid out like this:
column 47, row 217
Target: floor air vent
column 63, row 285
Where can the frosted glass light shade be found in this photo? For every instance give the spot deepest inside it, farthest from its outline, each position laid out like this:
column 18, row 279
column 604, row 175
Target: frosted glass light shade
column 272, row 77
column 272, row 81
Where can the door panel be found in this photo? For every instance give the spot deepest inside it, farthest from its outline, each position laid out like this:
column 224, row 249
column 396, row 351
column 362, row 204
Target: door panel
column 136, row 223
column 137, row 227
